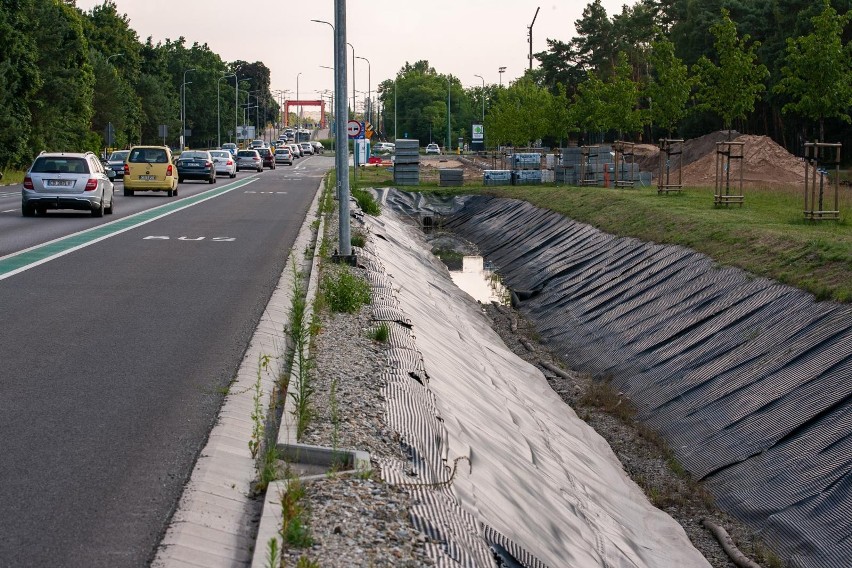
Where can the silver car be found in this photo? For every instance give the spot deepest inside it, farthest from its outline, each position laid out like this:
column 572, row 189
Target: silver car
column 284, row 156
column 64, row 180
column 249, row 160
column 225, row 162
column 307, row 148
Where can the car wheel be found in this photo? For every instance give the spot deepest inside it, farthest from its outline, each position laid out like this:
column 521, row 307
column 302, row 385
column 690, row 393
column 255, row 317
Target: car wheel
column 99, row 210
column 180, row 180
column 233, row 175
column 175, row 191
column 212, row 179
column 27, row 210
column 170, row 193
column 41, row 210
column 128, row 192
column 259, row 169
column 109, row 210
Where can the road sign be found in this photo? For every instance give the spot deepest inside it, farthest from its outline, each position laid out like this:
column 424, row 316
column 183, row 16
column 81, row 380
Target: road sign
column 353, row 129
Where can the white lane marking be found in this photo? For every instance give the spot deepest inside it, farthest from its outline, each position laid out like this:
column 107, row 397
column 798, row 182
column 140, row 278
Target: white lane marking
column 218, row 191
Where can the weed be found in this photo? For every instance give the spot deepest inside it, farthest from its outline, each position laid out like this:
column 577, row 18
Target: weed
column 257, row 414
column 305, row 562
column 343, row 291
column 315, row 224
column 365, row 201
column 380, row 333
column 273, row 555
column 294, row 528
column 601, row 394
column 358, row 240
column 268, row 469
column 299, row 334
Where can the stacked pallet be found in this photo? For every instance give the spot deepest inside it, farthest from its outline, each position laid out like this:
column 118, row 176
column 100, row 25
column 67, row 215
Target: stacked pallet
column 406, row 166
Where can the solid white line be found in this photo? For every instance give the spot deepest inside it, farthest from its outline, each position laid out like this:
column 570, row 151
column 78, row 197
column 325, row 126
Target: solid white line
column 9, row 210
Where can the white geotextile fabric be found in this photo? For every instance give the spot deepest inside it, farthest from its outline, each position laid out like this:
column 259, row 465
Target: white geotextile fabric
column 538, row 474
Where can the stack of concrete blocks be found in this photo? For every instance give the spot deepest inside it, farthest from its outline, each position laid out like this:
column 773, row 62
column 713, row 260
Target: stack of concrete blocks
column 448, row 177
column 526, row 168
column 568, row 170
column 496, row 177
column 406, row 165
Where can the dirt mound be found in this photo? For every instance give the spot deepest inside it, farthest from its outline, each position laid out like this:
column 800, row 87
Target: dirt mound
column 764, row 163
column 647, row 156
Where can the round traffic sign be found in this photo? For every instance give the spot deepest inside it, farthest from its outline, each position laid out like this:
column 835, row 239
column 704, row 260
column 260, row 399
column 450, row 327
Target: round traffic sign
column 353, row 128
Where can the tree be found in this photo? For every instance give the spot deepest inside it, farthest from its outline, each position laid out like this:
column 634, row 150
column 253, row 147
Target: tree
column 62, row 106
column 731, row 87
column 621, row 99
column 669, row 86
column 818, row 70
column 521, row 114
column 588, row 112
column 19, row 81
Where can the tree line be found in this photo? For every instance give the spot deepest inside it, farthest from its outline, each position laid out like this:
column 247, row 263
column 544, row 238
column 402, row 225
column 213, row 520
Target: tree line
column 66, row 75
column 659, row 68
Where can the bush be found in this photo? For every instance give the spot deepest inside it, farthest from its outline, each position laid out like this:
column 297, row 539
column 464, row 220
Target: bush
column 344, row 291
column 365, row 201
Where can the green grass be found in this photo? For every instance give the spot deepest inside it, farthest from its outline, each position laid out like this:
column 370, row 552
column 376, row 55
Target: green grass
column 767, row 236
column 11, row 177
column 342, row 291
column 380, row 333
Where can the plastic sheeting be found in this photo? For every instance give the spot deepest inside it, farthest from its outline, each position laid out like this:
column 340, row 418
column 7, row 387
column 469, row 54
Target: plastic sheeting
column 497, row 461
column 748, row 380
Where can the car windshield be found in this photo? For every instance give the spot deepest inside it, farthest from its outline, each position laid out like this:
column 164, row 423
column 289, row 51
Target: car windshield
column 263, row 151
column 59, row 165
column 220, row 154
column 193, row 156
column 119, row 156
column 247, row 153
column 148, row 155
column 282, row 151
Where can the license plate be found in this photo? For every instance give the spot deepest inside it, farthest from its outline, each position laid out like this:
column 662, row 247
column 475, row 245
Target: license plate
column 148, row 178
column 60, row 183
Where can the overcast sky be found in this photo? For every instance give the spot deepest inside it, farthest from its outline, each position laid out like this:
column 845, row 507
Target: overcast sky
column 458, row 37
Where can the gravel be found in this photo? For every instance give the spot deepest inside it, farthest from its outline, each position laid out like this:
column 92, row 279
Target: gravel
column 359, row 520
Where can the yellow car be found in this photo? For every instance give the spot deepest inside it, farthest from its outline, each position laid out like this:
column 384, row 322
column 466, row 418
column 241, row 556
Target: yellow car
column 150, row 168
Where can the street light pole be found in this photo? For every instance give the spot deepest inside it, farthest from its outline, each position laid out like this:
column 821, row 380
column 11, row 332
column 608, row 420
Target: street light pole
column 299, row 109
column 449, row 144
column 342, row 153
column 394, row 109
column 113, row 55
column 183, row 110
column 218, row 109
column 353, row 78
column 501, row 70
column 483, row 96
column 369, row 92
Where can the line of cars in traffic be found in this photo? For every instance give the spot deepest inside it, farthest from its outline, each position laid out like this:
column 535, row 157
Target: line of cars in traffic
column 82, row 181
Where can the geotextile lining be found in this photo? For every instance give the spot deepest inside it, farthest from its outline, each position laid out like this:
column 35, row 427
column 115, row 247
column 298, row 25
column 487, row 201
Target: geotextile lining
column 498, row 465
column 749, row 381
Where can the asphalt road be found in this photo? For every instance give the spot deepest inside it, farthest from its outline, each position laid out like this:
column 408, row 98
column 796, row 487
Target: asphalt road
column 114, row 355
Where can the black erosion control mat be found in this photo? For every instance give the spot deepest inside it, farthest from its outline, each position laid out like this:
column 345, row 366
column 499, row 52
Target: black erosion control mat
column 748, row 380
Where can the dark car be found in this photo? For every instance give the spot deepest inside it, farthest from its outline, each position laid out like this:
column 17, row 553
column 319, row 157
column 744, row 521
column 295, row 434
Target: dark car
column 267, row 156
column 116, row 162
column 196, row 164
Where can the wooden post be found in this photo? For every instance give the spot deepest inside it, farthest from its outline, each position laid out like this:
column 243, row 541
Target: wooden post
column 819, row 158
column 622, row 150
column 729, row 156
column 671, row 159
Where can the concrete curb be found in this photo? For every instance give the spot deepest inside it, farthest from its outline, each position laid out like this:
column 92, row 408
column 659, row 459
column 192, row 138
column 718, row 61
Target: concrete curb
column 211, row 526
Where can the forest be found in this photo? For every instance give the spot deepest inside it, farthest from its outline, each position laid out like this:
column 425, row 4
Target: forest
column 67, row 75
column 659, row 68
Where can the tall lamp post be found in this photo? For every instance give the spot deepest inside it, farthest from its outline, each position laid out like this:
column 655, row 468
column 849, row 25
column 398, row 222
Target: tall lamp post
column 501, row 70
column 353, row 78
column 483, row 96
column 218, row 109
column 299, row 109
column 113, row 55
column 449, row 144
column 369, row 92
column 183, row 109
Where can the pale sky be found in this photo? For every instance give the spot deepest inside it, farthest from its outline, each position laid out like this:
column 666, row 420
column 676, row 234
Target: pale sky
column 458, row 37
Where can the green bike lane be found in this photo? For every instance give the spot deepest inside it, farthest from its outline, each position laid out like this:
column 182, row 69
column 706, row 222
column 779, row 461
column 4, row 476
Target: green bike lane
column 31, row 257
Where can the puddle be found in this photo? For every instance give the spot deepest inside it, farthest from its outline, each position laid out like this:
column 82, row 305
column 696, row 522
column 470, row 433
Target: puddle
column 480, row 280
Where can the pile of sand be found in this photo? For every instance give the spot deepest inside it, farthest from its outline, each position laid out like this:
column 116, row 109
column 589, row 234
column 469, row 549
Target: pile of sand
column 764, row 163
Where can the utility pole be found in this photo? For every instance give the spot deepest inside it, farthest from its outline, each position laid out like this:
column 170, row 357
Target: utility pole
column 342, row 152
column 529, row 38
